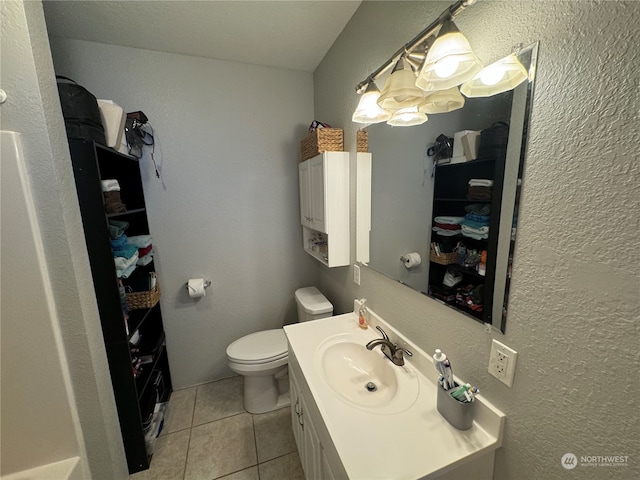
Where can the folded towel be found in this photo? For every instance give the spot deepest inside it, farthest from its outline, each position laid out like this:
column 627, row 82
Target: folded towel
column 146, row 260
column 446, row 233
column 447, row 226
column 119, row 242
column 450, row 220
column 117, row 228
column 476, row 236
column 123, row 263
column 126, row 251
column 480, row 182
column 127, row 272
column 476, row 230
column 143, row 251
column 112, row 202
column 478, row 208
column 110, row 185
column 140, row 241
column 476, row 218
column 473, row 224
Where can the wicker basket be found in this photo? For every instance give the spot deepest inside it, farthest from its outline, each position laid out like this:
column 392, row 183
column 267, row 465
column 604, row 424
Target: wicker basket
column 321, row 140
column 443, row 258
column 362, row 141
column 138, row 300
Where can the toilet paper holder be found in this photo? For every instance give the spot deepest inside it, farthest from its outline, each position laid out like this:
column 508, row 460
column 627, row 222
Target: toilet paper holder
column 207, row 283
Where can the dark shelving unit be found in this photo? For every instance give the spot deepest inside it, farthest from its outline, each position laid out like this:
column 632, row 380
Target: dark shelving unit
column 450, row 198
column 92, row 163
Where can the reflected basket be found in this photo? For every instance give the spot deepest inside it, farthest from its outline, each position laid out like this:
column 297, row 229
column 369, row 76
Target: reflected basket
column 443, row 258
column 147, row 299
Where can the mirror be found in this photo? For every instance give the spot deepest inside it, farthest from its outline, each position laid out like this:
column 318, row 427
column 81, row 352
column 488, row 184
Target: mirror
column 408, row 190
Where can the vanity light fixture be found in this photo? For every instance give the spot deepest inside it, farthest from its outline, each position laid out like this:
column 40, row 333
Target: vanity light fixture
column 368, row 110
column 402, row 92
column 407, row 117
column 443, row 101
column 500, row 76
column 400, row 89
column 450, row 61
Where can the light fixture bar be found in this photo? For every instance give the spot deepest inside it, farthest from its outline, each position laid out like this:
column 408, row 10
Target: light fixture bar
column 453, row 10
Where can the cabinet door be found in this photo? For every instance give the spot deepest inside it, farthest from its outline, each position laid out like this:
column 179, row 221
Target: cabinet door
column 303, row 178
column 296, row 412
column 316, row 190
column 312, row 456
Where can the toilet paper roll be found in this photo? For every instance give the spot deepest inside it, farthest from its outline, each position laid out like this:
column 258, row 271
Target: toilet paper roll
column 411, row 260
column 196, row 287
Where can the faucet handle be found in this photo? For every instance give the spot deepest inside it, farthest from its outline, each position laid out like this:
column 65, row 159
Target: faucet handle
column 407, row 352
column 384, row 335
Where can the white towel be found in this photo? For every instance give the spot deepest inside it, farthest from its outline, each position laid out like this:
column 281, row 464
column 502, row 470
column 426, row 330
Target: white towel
column 446, row 233
column 123, row 263
column 480, row 182
column 110, row 185
column 449, row 220
column 146, row 260
column 140, row 241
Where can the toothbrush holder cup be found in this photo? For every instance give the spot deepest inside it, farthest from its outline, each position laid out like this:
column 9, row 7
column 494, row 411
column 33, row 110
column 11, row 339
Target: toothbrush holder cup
column 459, row 414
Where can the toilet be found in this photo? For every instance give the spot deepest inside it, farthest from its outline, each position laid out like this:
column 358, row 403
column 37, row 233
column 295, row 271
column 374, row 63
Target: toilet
column 262, row 357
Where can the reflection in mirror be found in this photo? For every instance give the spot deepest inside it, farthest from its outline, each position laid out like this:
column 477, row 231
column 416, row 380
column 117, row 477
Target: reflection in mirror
column 408, row 190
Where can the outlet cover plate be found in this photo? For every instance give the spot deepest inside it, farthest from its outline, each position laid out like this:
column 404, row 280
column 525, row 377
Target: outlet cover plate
column 356, row 274
column 502, row 362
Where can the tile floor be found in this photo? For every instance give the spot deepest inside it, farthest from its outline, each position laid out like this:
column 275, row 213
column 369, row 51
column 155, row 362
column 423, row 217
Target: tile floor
column 209, row 435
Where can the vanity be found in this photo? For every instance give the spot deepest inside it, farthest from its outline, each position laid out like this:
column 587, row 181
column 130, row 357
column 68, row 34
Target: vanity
column 343, row 430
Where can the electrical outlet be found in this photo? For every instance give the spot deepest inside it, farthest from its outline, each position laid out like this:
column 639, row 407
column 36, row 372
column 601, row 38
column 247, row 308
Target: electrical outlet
column 502, row 363
column 356, row 274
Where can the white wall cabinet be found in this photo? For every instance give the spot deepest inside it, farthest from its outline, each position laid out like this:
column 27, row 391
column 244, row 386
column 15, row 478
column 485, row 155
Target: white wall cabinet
column 324, row 207
column 319, row 458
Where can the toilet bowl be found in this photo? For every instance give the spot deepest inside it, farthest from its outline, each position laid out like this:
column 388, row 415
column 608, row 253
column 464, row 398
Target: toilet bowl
column 262, row 357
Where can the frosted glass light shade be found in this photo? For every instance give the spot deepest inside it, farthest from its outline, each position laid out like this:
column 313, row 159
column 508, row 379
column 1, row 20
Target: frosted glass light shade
column 407, row 117
column 368, row 110
column 400, row 89
column 498, row 77
column 443, row 101
column 450, row 61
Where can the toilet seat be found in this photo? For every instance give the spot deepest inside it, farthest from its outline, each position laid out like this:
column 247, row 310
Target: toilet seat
column 259, row 347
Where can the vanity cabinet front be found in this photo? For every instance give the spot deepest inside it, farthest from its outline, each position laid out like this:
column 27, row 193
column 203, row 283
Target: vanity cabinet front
column 324, row 207
column 318, row 457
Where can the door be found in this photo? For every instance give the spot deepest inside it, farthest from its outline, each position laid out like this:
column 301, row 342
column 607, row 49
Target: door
column 317, row 194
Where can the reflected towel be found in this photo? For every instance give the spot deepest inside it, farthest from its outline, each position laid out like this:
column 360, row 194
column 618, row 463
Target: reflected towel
column 117, row 228
column 140, row 241
column 449, row 220
column 123, row 263
column 126, row 251
column 446, row 233
column 110, row 185
column 146, row 260
column 126, row 273
column 480, row 182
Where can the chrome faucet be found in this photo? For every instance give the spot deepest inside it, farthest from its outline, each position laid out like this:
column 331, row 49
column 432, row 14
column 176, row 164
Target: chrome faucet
column 392, row 351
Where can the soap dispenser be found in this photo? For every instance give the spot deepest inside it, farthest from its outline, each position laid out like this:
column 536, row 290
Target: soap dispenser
column 362, row 315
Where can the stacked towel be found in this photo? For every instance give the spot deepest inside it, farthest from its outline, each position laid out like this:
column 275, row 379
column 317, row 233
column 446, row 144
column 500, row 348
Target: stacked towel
column 123, row 263
column 117, row 228
column 110, row 185
column 447, row 226
column 111, row 192
column 145, row 248
column 480, row 189
column 476, row 225
column 140, row 241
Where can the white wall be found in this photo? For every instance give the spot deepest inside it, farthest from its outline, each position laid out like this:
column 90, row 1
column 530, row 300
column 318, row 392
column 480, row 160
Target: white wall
column 57, row 399
column 573, row 311
column 226, row 207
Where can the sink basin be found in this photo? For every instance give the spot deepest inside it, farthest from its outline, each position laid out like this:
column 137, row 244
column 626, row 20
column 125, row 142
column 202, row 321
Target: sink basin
column 365, row 378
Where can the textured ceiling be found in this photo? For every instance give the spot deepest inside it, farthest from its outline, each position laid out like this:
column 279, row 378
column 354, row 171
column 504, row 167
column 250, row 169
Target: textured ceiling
column 285, row 34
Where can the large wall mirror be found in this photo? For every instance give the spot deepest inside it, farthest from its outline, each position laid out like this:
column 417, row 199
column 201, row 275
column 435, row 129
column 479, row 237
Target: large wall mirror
column 409, row 191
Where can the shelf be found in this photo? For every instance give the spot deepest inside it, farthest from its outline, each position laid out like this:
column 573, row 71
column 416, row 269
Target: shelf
column 465, row 200
column 142, row 381
column 466, row 164
column 461, row 269
column 128, row 212
column 137, row 318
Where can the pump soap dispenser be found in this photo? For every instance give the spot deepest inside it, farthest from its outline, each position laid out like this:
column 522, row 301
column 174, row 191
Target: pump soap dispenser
column 362, row 315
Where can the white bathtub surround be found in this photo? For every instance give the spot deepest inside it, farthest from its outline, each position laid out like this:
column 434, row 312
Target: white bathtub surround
column 410, row 441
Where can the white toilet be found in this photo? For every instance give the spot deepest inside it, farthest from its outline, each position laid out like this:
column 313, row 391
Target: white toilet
column 262, row 357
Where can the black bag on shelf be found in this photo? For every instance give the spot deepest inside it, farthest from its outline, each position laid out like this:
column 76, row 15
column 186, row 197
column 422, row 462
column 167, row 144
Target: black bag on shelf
column 493, row 141
column 80, row 111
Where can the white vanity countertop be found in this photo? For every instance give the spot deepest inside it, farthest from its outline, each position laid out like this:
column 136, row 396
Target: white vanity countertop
column 415, row 443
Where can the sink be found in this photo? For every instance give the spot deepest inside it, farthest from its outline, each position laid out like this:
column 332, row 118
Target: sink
column 365, row 378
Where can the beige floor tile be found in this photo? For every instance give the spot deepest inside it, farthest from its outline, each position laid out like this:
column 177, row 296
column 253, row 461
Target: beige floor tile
column 247, row 474
column 221, row 447
column 180, row 411
column 218, row 400
column 287, row 467
column 274, row 436
column 169, row 457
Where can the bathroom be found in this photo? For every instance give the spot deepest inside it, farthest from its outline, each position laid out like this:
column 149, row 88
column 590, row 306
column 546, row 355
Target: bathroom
column 226, row 207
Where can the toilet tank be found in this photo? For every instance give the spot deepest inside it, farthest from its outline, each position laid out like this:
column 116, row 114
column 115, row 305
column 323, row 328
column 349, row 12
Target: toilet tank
column 312, row 305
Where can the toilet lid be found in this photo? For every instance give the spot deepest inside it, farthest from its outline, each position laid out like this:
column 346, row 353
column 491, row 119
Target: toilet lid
column 259, row 347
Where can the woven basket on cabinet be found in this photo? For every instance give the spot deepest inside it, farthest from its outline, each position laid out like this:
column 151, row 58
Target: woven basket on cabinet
column 321, row 140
